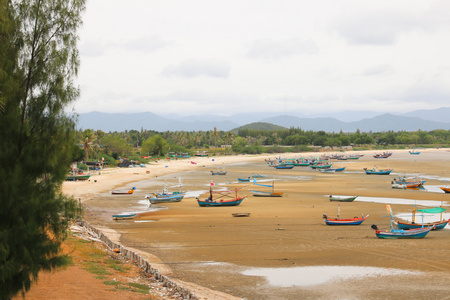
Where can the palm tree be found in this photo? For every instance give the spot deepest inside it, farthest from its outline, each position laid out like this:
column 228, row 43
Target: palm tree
column 89, row 138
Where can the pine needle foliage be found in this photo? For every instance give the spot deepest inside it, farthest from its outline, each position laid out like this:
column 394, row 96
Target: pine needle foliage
column 38, row 61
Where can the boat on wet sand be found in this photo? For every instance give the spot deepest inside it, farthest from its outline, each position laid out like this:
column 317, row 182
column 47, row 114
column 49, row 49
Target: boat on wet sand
column 342, row 198
column 265, row 193
column 339, row 221
column 394, row 233
column 375, row 171
column 445, row 189
column 435, row 225
column 223, row 198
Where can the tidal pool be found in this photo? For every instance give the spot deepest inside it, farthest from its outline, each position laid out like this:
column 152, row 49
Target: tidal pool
column 309, row 276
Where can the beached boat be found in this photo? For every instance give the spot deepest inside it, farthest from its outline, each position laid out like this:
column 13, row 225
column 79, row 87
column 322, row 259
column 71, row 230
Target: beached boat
column 259, row 176
column 406, row 186
column 394, row 233
column 408, row 180
column 219, row 172
column 342, row 198
column 435, row 225
column 321, row 166
column 122, row 192
column 339, row 221
column 222, row 199
column 123, row 216
column 445, row 189
column 265, row 193
column 244, row 179
column 175, row 197
column 375, row 171
column 240, row 215
column 283, row 167
column 414, row 152
column 77, row 177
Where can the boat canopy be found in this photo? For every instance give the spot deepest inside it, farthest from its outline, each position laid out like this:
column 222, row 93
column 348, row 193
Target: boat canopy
column 435, row 210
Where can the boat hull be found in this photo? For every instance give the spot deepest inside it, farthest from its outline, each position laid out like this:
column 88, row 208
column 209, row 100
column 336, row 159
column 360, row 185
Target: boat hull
column 166, row 199
column 233, row 202
column 123, row 216
column 77, row 177
column 265, row 194
column 342, row 199
column 403, row 234
column 353, row 221
column 446, row 190
column 435, row 225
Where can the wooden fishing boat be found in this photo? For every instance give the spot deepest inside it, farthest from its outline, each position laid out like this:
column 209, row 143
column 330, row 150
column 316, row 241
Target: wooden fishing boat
column 77, row 177
column 342, row 198
column 375, row 171
column 408, row 180
column 175, row 197
column 265, row 193
column 218, row 201
column 121, row 192
column 401, row 233
column 322, row 166
column 339, row 221
column 123, row 216
column 393, row 233
column 435, row 225
column 414, row 152
column 445, row 189
column 244, row 179
column 284, row 167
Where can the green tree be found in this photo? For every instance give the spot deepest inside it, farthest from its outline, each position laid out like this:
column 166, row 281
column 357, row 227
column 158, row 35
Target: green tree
column 38, row 61
column 155, row 145
column 116, row 145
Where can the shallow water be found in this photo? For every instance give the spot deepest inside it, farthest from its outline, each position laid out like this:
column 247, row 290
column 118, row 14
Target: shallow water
column 309, row 276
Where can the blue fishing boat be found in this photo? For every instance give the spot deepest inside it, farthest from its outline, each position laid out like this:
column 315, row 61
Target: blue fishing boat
column 175, row 197
column 284, row 167
column 400, row 233
column 375, row 171
column 244, row 179
column 414, row 152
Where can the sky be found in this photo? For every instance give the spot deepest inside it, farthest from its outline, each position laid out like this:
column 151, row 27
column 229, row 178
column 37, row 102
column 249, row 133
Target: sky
column 287, row 56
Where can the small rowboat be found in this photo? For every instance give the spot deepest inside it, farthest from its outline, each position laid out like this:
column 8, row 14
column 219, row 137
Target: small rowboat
column 120, row 192
column 284, row 167
column 244, row 179
column 77, row 177
column 124, row 216
column 241, row 215
column 342, row 198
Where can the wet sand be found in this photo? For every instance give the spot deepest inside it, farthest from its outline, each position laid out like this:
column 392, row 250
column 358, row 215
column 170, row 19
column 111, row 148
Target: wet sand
column 207, row 247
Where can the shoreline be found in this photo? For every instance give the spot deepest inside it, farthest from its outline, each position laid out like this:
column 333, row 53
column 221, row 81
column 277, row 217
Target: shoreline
column 120, row 178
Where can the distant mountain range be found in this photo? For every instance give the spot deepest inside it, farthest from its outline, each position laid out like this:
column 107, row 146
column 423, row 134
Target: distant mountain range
column 425, row 120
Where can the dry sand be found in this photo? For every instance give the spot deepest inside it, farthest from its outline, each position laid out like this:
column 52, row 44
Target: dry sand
column 208, row 250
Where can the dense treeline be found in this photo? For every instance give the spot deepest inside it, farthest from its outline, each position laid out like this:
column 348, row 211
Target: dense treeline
column 111, row 146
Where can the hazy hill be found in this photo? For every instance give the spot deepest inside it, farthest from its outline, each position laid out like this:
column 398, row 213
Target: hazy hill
column 259, row 126
column 150, row 121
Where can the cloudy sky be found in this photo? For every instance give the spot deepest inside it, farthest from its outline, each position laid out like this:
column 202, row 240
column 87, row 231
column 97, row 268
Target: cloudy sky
column 226, row 57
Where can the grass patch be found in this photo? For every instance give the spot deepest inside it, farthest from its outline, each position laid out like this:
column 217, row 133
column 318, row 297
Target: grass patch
column 100, row 277
column 111, row 282
column 116, row 265
column 140, row 288
column 96, row 269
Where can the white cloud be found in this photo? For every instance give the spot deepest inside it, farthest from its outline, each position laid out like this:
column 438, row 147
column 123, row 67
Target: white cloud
column 274, row 49
column 195, row 67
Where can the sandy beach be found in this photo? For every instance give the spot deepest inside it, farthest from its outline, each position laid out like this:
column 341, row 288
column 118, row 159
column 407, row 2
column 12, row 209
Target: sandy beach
column 283, row 250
